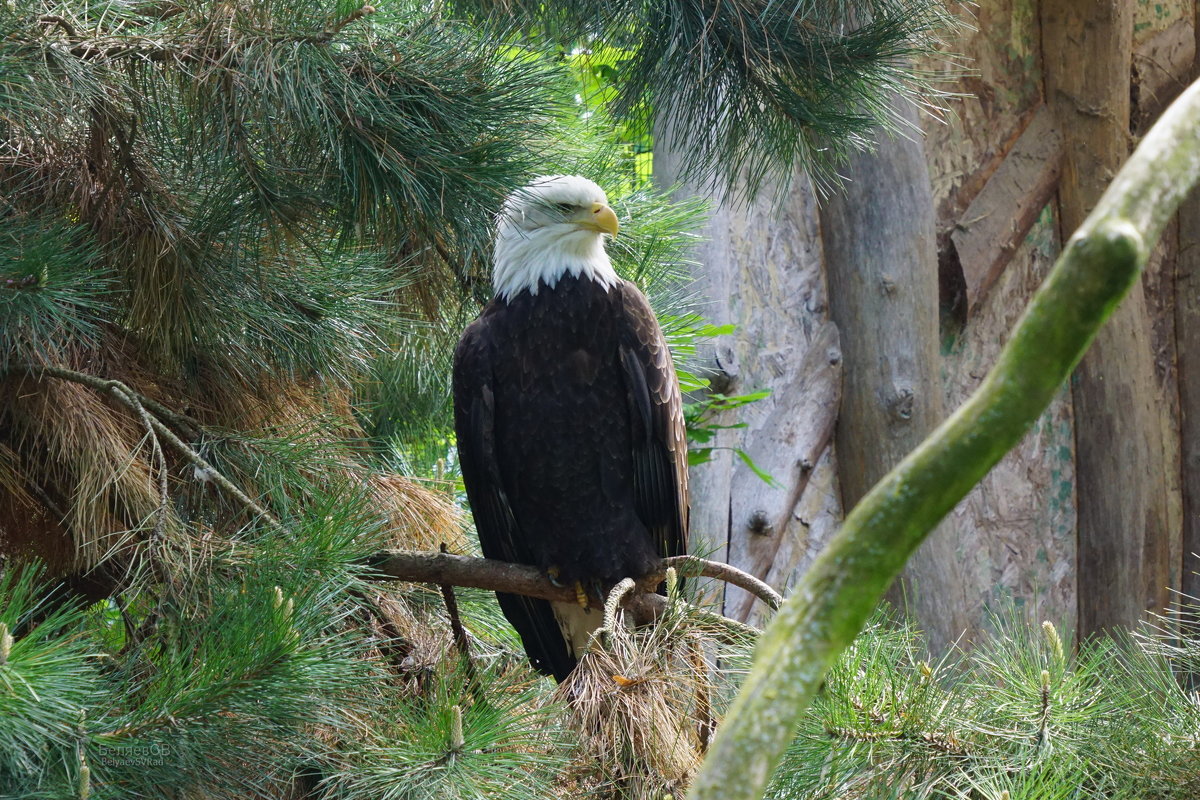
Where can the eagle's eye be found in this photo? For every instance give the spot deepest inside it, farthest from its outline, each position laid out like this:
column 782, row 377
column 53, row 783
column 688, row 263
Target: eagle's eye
column 565, row 208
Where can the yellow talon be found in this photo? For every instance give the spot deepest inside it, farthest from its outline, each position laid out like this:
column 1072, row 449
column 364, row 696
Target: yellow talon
column 581, row 596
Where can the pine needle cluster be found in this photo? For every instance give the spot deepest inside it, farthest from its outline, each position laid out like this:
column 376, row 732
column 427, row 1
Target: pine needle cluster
column 1023, row 716
column 644, row 701
column 748, row 91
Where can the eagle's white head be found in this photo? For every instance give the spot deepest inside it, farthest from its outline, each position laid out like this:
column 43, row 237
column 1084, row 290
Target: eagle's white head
column 553, row 227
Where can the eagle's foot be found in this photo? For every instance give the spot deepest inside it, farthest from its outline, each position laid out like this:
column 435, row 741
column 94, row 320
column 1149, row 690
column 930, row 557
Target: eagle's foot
column 581, row 596
column 553, row 574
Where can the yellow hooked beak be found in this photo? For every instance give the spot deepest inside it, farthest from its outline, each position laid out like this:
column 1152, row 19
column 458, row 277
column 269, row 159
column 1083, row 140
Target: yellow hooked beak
column 600, row 218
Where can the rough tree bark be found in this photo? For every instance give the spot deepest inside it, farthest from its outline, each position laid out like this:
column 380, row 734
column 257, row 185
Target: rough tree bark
column 1187, row 326
column 881, row 259
column 1187, row 343
column 1124, row 541
column 760, row 268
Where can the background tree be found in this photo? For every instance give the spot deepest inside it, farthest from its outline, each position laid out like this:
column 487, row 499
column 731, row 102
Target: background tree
column 238, row 240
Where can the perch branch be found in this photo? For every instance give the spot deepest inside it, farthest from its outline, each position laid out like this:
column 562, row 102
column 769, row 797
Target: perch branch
column 503, row 576
column 828, row 608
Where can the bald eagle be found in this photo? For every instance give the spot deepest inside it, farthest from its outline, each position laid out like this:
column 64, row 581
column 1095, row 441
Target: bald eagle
column 568, row 416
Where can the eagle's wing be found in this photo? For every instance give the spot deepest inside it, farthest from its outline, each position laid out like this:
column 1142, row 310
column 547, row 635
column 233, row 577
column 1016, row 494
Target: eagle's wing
column 474, row 416
column 656, row 413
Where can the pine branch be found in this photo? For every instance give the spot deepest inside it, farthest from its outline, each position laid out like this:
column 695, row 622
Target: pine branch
column 444, row 569
column 137, row 403
column 186, row 50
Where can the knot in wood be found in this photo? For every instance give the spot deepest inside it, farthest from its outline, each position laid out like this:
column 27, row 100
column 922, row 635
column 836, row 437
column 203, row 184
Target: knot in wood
column 724, row 374
column 759, row 525
column 900, row 406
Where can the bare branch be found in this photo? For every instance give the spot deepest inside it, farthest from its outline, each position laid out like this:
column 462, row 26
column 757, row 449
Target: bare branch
column 62, row 22
column 354, row 16
column 462, row 642
column 479, row 573
column 694, row 566
column 522, row 579
column 160, row 458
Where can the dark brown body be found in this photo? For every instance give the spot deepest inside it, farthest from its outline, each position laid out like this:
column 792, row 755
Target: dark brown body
column 572, row 445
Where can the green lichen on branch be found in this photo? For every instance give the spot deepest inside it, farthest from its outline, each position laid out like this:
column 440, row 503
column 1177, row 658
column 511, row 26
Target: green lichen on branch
column 828, row 608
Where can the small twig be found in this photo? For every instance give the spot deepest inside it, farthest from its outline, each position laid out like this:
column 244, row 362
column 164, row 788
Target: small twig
column 354, row 16
column 694, row 566
column 182, row 421
column 461, row 642
column 133, row 400
column 209, row 470
column 164, row 498
column 62, row 22
column 159, row 11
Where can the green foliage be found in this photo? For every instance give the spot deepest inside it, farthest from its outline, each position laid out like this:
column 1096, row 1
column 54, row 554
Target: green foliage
column 225, row 682
column 1021, row 714
column 747, row 90
column 458, row 742
column 45, row 677
column 702, row 428
column 263, row 180
column 55, row 294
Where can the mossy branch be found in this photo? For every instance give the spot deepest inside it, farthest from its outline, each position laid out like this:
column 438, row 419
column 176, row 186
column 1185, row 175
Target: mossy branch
column 832, row 602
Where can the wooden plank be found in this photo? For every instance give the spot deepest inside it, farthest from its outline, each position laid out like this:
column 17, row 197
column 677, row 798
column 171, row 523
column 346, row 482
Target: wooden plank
column 1162, row 66
column 996, row 222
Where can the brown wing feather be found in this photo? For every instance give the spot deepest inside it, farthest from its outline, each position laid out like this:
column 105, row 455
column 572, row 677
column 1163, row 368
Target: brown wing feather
column 660, row 439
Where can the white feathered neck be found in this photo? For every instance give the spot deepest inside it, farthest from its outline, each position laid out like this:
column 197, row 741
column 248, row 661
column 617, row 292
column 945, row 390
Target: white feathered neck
column 535, row 245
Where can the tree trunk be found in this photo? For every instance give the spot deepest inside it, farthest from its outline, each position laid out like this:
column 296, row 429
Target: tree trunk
column 881, row 259
column 1187, row 327
column 1187, row 344
column 760, row 268
column 1124, row 541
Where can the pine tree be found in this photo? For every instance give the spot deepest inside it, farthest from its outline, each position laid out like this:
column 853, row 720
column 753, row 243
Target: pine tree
column 239, row 239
